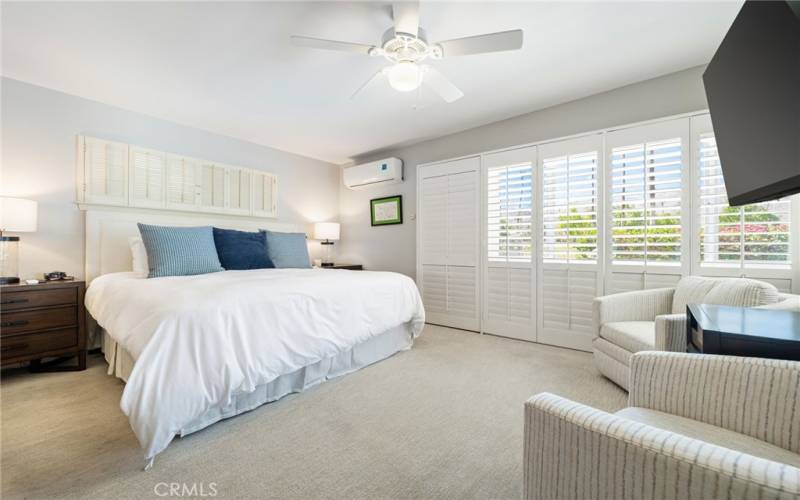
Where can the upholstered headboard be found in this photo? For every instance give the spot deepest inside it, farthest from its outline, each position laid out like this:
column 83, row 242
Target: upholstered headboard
column 108, row 230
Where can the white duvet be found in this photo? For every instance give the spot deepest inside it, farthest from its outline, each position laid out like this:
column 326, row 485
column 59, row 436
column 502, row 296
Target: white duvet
column 199, row 340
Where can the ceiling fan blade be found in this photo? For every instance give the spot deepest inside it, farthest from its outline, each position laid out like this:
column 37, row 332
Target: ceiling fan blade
column 406, row 17
column 479, row 44
column 441, row 85
column 321, row 43
column 366, row 84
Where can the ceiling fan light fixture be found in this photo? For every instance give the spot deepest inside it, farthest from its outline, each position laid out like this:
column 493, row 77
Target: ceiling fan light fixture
column 404, row 76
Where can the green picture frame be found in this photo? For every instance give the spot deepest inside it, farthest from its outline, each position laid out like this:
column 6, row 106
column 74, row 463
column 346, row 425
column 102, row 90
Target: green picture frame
column 386, row 211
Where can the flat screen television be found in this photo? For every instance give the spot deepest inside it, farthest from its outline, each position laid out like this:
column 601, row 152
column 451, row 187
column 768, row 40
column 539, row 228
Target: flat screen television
column 753, row 90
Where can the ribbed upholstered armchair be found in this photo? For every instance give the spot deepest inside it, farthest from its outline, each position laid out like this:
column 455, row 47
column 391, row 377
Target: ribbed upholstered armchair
column 647, row 320
column 697, row 427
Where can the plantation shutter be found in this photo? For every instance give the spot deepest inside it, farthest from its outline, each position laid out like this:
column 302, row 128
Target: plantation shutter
column 263, row 199
column 105, row 172
column 449, row 231
column 570, row 274
column 752, row 240
column 147, row 172
column 212, row 186
column 509, row 266
column 648, row 183
column 182, row 182
column 238, row 191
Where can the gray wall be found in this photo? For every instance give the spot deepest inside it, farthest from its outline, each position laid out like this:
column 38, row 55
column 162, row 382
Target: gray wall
column 38, row 162
column 394, row 247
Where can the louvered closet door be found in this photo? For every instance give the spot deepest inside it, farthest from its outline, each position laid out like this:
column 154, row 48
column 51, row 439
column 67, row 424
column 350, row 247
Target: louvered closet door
column 509, row 278
column 105, row 172
column 648, row 179
column 448, row 242
column 182, row 182
column 570, row 257
column 147, row 177
column 238, row 191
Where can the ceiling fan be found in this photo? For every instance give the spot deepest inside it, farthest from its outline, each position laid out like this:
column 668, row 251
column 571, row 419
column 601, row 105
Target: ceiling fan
column 405, row 46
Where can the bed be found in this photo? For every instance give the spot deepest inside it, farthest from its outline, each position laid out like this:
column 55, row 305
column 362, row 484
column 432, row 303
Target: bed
column 196, row 349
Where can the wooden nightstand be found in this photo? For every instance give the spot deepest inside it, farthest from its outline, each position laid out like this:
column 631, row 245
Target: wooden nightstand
column 352, row 267
column 43, row 321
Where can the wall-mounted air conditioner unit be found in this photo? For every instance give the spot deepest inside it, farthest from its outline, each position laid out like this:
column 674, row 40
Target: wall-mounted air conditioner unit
column 388, row 171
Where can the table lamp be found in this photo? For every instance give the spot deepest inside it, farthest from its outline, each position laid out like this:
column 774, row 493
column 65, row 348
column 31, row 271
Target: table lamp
column 17, row 216
column 328, row 232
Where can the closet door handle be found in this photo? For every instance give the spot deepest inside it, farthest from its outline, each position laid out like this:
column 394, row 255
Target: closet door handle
column 14, row 301
column 19, row 322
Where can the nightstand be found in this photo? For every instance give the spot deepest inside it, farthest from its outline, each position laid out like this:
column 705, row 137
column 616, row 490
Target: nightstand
column 352, row 267
column 43, row 321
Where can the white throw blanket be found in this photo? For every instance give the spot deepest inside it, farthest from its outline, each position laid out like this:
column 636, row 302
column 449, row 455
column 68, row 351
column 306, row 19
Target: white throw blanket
column 199, row 340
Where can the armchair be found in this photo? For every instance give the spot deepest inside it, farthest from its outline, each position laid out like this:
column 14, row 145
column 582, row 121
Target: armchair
column 646, row 320
column 697, row 426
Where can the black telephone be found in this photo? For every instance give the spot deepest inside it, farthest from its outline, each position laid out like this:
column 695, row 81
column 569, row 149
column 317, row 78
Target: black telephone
column 56, row 276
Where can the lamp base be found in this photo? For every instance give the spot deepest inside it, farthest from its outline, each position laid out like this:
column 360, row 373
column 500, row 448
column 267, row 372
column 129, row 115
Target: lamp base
column 9, row 280
column 327, row 264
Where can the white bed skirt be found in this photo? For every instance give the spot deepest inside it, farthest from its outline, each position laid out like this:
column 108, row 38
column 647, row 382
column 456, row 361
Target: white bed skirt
column 399, row 338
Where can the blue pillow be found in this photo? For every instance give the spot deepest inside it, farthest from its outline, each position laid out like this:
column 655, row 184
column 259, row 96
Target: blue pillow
column 287, row 250
column 179, row 251
column 241, row 249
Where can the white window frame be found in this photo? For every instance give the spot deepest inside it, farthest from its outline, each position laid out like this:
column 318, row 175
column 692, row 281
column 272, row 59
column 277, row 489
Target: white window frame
column 701, row 124
column 650, row 132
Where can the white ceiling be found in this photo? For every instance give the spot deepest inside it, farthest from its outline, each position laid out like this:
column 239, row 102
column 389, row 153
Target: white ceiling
column 229, row 67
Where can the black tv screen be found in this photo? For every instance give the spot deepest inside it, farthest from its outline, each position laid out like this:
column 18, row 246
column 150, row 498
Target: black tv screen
column 753, row 90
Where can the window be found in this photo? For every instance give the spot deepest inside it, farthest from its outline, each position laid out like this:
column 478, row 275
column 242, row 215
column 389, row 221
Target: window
column 752, row 236
column 509, row 211
column 569, row 208
column 646, row 203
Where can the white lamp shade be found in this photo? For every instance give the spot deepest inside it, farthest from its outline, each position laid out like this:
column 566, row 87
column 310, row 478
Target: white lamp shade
column 326, row 231
column 17, row 215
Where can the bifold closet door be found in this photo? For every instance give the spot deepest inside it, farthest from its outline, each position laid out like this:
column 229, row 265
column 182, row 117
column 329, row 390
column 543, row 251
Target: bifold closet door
column 509, row 272
column 448, row 242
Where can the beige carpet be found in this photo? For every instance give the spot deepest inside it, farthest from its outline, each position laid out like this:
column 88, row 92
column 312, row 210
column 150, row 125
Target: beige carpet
column 443, row 420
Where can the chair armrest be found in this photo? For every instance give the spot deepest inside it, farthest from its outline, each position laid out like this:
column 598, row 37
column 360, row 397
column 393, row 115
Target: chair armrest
column 671, row 332
column 753, row 396
column 640, row 305
column 575, row 451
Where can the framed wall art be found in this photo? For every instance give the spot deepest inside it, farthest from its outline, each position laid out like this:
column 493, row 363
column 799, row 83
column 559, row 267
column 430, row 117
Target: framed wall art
column 386, row 211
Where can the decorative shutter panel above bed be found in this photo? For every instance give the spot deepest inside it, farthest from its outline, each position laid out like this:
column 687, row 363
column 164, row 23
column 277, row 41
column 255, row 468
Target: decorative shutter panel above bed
column 238, row 191
column 264, row 194
column 182, row 177
column 147, row 172
column 212, row 187
column 104, row 171
column 448, row 267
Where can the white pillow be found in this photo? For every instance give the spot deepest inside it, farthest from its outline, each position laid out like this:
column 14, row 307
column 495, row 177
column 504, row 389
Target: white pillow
column 139, row 254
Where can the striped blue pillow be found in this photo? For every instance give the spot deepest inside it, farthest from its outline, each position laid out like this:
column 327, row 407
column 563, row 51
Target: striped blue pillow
column 179, row 251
